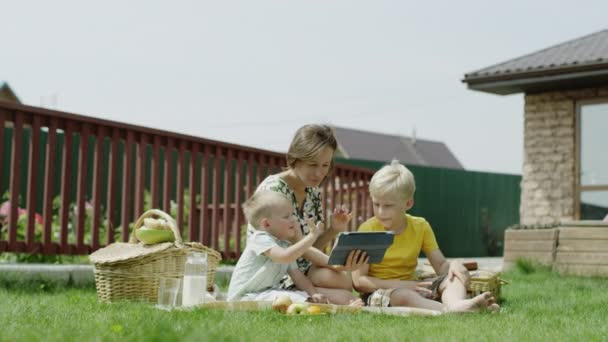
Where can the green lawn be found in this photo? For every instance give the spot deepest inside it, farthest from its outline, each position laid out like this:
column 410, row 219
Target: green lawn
column 538, row 305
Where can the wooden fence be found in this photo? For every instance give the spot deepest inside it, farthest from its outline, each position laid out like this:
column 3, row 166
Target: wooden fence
column 76, row 183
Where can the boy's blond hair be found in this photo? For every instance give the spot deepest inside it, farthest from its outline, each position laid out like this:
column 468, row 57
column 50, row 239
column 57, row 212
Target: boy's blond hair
column 263, row 205
column 393, row 180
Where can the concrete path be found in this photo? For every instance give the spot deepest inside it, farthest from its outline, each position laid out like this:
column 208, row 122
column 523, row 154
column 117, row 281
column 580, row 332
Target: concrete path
column 83, row 274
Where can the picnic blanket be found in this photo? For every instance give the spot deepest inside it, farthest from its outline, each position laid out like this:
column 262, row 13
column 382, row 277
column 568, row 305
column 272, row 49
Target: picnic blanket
column 325, row 308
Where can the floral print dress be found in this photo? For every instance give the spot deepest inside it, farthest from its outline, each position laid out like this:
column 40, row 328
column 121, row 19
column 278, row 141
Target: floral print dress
column 312, row 207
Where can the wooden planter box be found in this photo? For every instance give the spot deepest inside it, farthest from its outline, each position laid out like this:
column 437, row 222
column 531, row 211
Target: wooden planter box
column 582, row 249
column 536, row 245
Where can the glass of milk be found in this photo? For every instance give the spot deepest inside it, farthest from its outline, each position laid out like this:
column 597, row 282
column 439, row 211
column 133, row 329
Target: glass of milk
column 195, row 279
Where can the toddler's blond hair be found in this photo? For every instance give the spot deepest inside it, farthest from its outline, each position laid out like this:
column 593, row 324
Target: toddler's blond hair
column 263, row 204
column 394, row 180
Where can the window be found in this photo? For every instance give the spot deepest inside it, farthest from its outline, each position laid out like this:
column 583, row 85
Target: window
column 592, row 189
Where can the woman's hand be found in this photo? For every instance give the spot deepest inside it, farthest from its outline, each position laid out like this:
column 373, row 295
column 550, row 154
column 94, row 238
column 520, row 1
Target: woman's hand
column 339, row 218
column 354, row 261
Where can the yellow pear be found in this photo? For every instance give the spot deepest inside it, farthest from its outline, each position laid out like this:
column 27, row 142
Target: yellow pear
column 281, row 303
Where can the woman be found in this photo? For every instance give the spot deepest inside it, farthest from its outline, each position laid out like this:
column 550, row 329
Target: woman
column 309, row 162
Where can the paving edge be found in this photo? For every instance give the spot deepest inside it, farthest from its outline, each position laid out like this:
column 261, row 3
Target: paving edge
column 77, row 274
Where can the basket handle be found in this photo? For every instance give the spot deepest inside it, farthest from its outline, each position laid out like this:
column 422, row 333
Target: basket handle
column 179, row 242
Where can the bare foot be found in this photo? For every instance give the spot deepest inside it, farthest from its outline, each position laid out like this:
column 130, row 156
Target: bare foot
column 484, row 301
column 356, row 302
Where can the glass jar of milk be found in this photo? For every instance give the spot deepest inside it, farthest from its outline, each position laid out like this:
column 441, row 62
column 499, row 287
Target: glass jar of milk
column 195, row 279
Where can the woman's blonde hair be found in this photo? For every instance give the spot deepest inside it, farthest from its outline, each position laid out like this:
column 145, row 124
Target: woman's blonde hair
column 394, row 180
column 308, row 141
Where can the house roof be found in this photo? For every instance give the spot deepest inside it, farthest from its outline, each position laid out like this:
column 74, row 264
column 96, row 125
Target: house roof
column 580, row 62
column 358, row 144
column 7, row 94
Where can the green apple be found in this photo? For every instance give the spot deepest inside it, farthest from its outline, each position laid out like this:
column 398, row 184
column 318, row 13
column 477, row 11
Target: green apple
column 151, row 236
column 297, row 309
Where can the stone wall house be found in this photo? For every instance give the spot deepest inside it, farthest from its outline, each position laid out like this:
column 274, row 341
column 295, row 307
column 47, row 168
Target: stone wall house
column 565, row 170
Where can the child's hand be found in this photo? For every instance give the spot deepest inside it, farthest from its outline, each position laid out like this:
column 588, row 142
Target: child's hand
column 319, row 298
column 458, row 271
column 339, row 218
column 422, row 287
column 315, row 230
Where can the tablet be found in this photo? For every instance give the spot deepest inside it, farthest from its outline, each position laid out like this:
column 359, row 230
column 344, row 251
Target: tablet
column 373, row 243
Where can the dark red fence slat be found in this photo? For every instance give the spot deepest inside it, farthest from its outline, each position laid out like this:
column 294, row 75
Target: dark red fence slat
column 15, row 179
column 364, row 213
column 347, row 192
column 127, row 181
column 140, row 172
column 181, row 179
column 32, row 188
column 97, row 179
column 66, row 175
column 3, row 115
column 332, row 194
column 204, row 228
column 155, row 173
column 112, row 184
column 216, row 199
column 49, row 185
column 193, row 218
column 271, row 164
column 249, row 180
column 227, row 200
column 238, row 190
column 357, row 203
column 259, row 171
column 168, row 175
column 367, row 204
column 83, row 162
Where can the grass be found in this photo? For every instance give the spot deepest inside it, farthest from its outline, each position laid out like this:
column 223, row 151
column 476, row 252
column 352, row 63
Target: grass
column 537, row 305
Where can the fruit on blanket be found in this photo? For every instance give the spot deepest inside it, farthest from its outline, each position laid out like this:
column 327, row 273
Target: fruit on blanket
column 281, row 303
column 150, row 236
column 297, row 309
column 314, row 310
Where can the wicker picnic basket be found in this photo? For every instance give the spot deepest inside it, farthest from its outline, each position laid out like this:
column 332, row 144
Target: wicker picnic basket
column 131, row 271
column 482, row 281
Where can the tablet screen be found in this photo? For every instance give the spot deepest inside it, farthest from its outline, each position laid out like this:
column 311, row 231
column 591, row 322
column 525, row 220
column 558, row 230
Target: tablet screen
column 373, row 243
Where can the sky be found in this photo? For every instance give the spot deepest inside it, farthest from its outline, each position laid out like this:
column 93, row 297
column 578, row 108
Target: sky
column 252, row 72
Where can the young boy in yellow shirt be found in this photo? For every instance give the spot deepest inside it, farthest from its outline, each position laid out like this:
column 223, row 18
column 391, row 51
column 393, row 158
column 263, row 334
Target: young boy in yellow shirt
column 392, row 281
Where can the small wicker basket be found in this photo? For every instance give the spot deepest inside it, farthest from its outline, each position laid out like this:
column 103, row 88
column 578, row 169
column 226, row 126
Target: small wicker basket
column 131, row 271
column 483, row 281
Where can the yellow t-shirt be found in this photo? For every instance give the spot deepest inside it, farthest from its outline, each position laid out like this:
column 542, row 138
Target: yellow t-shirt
column 401, row 257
